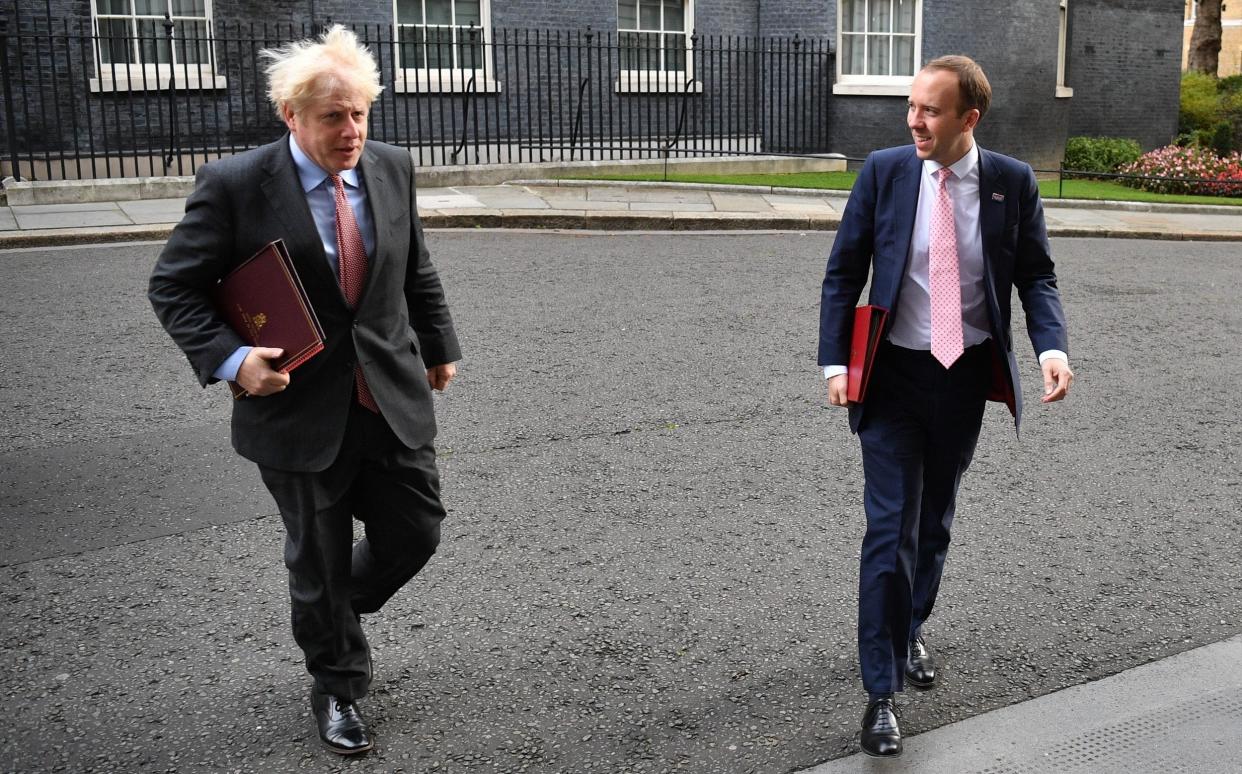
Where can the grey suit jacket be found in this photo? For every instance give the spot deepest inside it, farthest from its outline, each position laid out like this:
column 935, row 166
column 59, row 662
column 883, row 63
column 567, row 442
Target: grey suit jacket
column 401, row 325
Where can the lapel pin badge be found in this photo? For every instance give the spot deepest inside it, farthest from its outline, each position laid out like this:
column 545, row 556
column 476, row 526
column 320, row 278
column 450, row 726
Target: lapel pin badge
column 998, row 197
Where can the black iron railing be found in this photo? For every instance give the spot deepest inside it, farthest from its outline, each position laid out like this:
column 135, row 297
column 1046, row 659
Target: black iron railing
column 79, row 104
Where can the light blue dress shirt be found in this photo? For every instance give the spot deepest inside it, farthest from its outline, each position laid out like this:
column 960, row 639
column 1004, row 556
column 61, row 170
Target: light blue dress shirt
column 321, row 198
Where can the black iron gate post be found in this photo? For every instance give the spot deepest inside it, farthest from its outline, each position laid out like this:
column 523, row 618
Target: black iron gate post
column 172, row 94
column 10, row 121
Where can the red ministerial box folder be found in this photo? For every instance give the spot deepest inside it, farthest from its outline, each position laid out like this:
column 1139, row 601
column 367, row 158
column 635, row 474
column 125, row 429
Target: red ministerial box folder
column 264, row 302
column 864, row 342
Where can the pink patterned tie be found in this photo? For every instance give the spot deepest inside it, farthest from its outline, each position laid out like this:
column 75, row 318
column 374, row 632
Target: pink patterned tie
column 946, row 292
column 351, row 255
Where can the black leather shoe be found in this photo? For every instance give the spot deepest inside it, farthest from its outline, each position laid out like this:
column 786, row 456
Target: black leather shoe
column 341, row 727
column 920, row 666
column 881, row 738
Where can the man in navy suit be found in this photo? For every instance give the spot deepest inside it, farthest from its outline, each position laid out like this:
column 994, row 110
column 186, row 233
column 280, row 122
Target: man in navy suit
column 945, row 230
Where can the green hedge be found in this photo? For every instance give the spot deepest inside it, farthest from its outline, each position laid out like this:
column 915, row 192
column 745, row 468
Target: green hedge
column 1100, row 154
column 1210, row 114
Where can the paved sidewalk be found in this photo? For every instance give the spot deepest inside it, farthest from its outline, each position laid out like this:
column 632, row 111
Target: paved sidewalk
column 603, row 205
column 1181, row 714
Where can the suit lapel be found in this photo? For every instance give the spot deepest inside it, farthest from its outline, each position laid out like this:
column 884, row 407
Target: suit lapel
column 992, row 191
column 905, row 182
column 283, row 190
column 379, row 201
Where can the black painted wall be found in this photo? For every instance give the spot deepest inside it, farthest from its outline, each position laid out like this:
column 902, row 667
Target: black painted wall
column 1125, row 69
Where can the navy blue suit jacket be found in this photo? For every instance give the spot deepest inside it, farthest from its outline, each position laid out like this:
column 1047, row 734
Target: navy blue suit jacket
column 874, row 239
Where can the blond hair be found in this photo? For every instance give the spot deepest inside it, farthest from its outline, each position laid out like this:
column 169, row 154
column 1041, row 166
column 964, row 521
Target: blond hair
column 974, row 91
column 308, row 70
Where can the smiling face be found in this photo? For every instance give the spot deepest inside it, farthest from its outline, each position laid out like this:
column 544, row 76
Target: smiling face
column 941, row 133
column 332, row 130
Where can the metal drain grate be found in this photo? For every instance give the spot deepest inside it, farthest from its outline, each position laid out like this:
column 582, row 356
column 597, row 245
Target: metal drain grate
column 1203, row 734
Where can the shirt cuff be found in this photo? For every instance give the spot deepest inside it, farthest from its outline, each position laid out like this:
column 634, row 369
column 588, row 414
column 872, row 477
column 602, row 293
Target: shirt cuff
column 227, row 371
column 1053, row 354
column 834, row 370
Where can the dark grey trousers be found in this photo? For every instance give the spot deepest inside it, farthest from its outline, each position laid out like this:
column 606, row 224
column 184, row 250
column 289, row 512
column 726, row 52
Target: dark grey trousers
column 395, row 492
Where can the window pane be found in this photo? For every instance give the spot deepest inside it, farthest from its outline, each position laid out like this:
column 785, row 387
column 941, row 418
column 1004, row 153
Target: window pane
column 411, row 51
column 150, row 7
column 853, row 15
column 191, row 46
column 409, row 11
column 675, row 53
column 470, row 57
column 439, row 46
column 852, row 52
column 640, row 51
column 880, row 20
column 903, row 55
column 904, row 15
column 649, row 14
column 152, row 43
column 674, row 16
column 116, row 42
column 112, row 6
column 189, row 8
column 877, row 55
column 468, row 13
column 439, row 11
column 627, row 14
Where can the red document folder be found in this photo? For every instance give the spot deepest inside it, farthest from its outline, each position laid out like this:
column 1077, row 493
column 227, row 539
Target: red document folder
column 864, row 341
column 264, row 302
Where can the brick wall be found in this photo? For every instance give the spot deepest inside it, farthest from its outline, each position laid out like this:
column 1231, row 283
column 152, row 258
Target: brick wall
column 1125, row 69
column 1016, row 44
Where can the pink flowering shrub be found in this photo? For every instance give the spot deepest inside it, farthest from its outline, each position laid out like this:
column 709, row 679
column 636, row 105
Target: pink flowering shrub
column 1222, row 176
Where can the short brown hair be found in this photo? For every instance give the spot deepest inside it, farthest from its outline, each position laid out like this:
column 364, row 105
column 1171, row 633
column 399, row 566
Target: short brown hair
column 973, row 88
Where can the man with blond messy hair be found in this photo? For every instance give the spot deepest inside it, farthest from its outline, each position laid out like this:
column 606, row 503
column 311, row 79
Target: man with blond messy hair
column 349, row 433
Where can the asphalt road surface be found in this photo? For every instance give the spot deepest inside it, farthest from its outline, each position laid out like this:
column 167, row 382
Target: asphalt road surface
column 650, row 559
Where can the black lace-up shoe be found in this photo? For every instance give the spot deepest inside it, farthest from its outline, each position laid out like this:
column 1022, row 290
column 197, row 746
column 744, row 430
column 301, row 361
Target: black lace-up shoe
column 341, row 727
column 881, row 738
column 920, row 666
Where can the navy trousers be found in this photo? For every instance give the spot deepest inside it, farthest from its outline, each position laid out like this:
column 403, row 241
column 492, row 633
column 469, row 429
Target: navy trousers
column 918, row 436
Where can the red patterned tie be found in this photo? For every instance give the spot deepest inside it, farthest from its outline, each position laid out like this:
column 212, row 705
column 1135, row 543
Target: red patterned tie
column 351, row 255
column 946, row 291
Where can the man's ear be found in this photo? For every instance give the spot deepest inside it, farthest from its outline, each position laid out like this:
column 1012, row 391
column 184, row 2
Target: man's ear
column 972, row 118
column 290, row 117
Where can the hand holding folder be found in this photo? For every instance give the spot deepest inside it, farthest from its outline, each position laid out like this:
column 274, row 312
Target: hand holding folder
column 864, row 343
column 264, row 302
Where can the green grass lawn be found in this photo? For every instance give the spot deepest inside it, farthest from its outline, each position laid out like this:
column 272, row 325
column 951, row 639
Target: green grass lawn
column 843, row 181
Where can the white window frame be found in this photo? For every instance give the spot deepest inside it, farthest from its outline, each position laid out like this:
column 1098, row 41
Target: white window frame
column 1062, row 38
column 661, row 81
column 154, row 76
column 881, row 85
column 444, row 80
